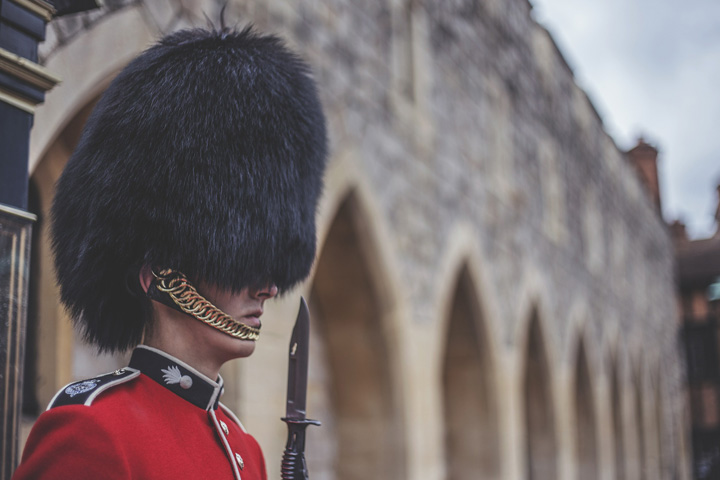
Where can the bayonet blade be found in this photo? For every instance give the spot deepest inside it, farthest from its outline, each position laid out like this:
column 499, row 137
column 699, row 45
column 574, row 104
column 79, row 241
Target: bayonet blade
column 298, row 365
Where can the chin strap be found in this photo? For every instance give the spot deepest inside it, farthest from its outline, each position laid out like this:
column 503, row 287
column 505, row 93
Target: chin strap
column 173, row 289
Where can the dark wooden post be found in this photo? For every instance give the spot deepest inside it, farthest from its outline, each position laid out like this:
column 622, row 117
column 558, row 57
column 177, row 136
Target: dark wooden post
column 15, row 232
column 23, row 84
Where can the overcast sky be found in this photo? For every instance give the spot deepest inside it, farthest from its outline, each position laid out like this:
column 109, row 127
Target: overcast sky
column 652, row 68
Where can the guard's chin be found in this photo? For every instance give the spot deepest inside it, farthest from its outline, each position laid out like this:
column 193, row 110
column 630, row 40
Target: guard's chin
column 235, row 347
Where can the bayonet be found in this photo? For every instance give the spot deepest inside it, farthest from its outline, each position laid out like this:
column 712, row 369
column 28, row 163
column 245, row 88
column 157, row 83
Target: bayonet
column 293, row 462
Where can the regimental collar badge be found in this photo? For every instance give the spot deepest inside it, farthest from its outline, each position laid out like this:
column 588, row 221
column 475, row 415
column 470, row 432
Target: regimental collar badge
column 172, row 376
column 178, row 377
column 82, row 387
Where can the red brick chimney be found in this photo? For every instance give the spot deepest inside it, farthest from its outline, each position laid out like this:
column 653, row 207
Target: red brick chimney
column 644, row 157
column 678, row 233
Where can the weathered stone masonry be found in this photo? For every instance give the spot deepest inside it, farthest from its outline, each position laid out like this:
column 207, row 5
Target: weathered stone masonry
column 473, row 179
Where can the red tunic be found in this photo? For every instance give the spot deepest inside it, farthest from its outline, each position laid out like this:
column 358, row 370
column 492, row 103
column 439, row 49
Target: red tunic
column 157, row 419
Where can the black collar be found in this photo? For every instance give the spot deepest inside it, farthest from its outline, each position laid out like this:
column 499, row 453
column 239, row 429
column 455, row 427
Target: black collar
column 177, row 376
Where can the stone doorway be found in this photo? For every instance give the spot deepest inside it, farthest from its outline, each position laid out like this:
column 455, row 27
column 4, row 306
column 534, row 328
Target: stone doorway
column 472, row 444
column 351, row 367
column 541, row 440
column 585, row 423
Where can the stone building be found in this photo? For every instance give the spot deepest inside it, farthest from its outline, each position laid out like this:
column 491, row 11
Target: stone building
column 493, row 296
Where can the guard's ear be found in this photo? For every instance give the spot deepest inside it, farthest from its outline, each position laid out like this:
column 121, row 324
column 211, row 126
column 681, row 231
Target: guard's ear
column 146, row 277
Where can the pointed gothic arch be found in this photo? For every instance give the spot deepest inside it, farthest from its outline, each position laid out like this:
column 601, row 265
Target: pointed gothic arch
column 585, row 418
column 658, row 430
column 541, row 445
column 472, row 446
column 617, row 418
column 640, row 436
column 349, row 307
column 87, row 64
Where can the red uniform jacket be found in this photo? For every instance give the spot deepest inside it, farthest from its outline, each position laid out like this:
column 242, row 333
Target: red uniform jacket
column 156, row 419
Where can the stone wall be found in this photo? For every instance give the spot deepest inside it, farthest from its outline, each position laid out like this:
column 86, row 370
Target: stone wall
column 470, row 178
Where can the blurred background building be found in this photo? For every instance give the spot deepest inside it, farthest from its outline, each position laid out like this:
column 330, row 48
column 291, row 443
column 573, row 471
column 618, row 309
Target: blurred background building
column 698, row 263
column 494, row 294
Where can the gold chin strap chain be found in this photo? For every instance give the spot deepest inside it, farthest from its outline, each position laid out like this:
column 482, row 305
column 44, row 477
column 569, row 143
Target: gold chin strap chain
column 185, row 296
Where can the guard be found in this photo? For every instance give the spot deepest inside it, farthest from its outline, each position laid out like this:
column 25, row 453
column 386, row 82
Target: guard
column 189, row 201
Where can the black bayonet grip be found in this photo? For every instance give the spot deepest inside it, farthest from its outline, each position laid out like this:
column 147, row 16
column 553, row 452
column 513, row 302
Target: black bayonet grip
column 293, row 465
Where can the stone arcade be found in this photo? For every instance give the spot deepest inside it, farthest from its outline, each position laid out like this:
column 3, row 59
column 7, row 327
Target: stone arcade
column 493, row 296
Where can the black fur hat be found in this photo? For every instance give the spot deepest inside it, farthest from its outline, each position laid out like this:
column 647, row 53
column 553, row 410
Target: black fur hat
column 205, row 155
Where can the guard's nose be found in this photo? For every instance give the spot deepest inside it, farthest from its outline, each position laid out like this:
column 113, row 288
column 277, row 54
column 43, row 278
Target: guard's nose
column 267, row 292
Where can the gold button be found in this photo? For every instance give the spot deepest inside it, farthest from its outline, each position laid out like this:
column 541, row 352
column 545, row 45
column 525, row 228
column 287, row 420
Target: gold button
column 224, row 427
column 239, row 460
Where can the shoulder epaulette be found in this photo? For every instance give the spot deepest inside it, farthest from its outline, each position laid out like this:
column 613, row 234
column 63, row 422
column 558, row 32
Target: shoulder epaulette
column 85, row 392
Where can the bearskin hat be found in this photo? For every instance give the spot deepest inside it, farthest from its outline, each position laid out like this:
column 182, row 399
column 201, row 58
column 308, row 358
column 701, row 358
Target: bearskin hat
column 205, row 155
